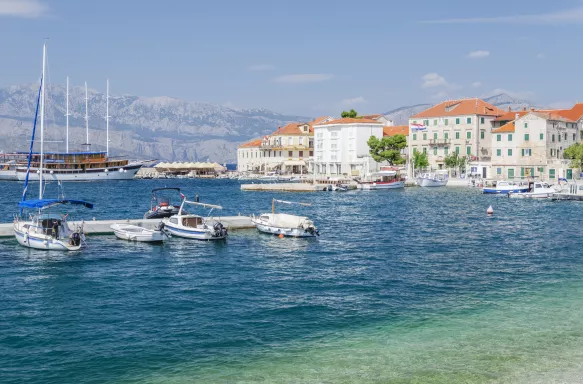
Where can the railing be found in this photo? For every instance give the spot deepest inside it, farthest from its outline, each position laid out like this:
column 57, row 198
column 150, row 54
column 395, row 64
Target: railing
column 439, row 142
column 281, row 147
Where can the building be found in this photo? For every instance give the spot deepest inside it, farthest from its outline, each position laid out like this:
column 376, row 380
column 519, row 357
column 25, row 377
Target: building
column 341, row 147
column 462, row 126
column 249, row 156
column 533, row 145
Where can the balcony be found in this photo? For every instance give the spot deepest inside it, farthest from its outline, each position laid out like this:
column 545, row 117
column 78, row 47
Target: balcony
column 439, row 142
column 283, row 147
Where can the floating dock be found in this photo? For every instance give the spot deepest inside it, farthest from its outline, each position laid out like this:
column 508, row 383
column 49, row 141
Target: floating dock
column 285, row 187
column 101, row 227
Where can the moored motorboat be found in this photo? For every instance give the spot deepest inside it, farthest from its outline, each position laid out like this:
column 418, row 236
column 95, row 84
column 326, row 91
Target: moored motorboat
column 504, row 187
column 432, row 179
column 285, row 224
column 196, row 227
column 161, row 205
column 136, row 233
column 387, row 179
column 536, row 190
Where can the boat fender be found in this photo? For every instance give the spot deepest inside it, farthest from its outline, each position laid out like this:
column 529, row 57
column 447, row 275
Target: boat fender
column 490, row 210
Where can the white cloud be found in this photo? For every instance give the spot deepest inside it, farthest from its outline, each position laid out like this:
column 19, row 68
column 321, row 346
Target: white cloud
column 478, row 54
column 573, row 16
column 476, row 84
column 261, row 67
column 540, row 56
column 23, row 8
column 303, row 78
column 431, row 80
column 353, row 101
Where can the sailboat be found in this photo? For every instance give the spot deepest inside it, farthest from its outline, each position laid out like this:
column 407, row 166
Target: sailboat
column 43, row 229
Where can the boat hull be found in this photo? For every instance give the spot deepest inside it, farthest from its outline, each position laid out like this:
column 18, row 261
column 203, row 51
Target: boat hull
column 98, row 174
column 504, row 191
column 135, row 233
column 528, row 195
column 288, row 232
column 425, row 182
column 42, row 242
column 381, row 185
column 192, row 233
column 8, row 175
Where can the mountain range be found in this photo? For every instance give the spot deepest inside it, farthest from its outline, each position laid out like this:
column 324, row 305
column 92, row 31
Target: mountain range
column 162, row 128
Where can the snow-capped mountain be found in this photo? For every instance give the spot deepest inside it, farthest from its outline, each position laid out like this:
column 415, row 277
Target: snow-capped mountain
column 142, row 127
column 400, row 116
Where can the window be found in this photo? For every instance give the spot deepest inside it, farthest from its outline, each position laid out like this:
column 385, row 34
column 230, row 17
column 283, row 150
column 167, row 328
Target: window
column 469, row 120
column 565, row 136
column 301, row 154
column 333, row 134
column 445, row 151
column 498, row 137
column 457, row 120
column 425, row 136
column 457, row 150
column 553, row 138
column 559, row 137
column 526, row 152
column 301, row 140
column 468, row 151
column 525, row 125
column 511, row 173
column 468, row 134
column 551, row 173
column 334, row 146
column 311, row 153
column 414, row 121
column 435, row 122
column 482, row 134
column 435, row 150
column 498, row 171
column 290, row 153
column 542, row 136
column 426, row 123
column 434, row 135
column 526, row 137
column 414, row 136
column 498, row 152
column 290, row 141
column 424, row 149
column 510, row 152
column 446, row 135
column 510, row 137
column 481, row 120
column 457, row 135
column 552, row 152
column 573, row 137
column 446, row 121
column 414, row 150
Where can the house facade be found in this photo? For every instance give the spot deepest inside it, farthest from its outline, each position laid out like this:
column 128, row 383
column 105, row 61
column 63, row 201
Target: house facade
column 461, row 126
column 249, row 156
column 341, row 147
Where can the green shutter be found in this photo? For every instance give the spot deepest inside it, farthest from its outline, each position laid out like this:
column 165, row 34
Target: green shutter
column 498, row 152
column 468, row 151
column 435, row 122
column 510, row 152
column 446, row 121
column 435, row 150
column 457, row 135
column 542, row 136
column 525, row 125
column 482, row 134
column 457, row 150
column 526, row 137
column 521, row 172
column 414, row 136
column 469, row 120
column 445, row 151
column 522, row 151
column 457, row 120
column 434, row 135
column 481, row 120
column 551, row 173
column 425, row 136
column 446, row 135
column 468, row 135
column 498, row 137
column 511, row 173
column 510, row 137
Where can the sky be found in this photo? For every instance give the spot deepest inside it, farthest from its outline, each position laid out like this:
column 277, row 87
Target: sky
column 299, row 57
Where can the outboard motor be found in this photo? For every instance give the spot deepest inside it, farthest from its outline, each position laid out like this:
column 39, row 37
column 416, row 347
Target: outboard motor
column 220, row 230
column 75, row 239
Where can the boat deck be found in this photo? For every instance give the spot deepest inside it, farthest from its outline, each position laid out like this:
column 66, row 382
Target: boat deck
column 101, row 227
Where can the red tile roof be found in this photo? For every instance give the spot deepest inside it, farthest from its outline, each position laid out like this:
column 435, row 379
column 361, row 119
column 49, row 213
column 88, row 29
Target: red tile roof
column 293, row 129
column 396, row 130
column 251, row 144
column 350, row 120
column 461, row 108
column 511, row 115
column 320, row 119
column 574, row 114
column 373, row 117
column 506, row 128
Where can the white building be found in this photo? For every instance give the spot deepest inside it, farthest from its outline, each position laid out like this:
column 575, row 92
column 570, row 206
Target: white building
column 341, row 149
column 533, row 145
column 249, row 156
column 462, row 126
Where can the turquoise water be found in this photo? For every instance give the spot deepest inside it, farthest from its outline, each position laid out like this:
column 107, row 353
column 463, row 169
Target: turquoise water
column 414, row 286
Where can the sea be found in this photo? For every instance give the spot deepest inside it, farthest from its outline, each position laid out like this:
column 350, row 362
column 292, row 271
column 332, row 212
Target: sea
column 402, row 286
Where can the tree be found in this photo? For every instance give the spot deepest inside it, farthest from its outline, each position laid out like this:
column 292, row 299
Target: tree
column 462, row 162
column 352, row 113
column 575, row 154
column 420, row 160
column 456, row 162
column 387, row 149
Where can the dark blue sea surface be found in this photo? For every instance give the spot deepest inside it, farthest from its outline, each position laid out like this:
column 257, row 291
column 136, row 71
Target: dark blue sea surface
column 412, row 286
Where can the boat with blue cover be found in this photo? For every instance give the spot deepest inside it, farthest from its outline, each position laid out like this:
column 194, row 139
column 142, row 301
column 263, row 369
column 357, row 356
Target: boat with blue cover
column 505, row 187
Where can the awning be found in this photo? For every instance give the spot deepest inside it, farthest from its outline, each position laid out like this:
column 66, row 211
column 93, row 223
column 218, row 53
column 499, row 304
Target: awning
column 273, row 166
column 294, row 162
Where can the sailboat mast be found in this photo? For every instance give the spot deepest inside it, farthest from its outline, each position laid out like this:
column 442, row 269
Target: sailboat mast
column 86, row 117
column 107, row 121
column 67, row 115
column 42, row 129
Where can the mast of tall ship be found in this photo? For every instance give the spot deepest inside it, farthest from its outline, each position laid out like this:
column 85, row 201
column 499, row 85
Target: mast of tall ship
column 42, row 120
column 107, row 120
column 67, row 114
column 86, row 118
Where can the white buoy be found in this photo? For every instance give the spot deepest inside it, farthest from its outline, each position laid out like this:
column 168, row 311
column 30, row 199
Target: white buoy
column 490, row 210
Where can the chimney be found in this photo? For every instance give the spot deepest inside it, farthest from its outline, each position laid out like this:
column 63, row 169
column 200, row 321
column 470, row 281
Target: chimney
column 517, row 116
column 509, row 109
column 532, row 109
column 523, row 109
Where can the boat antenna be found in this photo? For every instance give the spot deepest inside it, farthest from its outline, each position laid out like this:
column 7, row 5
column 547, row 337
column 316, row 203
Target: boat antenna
column 67, row 114
column 106, row 121
column 42, row 120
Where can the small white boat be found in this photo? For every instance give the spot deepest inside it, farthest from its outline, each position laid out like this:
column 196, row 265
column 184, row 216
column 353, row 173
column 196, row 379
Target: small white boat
column 433, row 179
column 135, row 233
column 385, row 180
column 338, row 188
column 194, row 226
column 536, row 190
column 285, row 224
column 504, row 187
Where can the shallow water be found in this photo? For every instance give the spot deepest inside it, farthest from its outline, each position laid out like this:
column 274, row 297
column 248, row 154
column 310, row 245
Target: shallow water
column 413, row 286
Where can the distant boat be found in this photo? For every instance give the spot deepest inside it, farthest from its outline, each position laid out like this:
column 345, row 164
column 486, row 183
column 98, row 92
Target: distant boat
column 161, row 205
column 285, row 224
column 193, row 226
column 136, row 233
column 536, row 190
column 433, row 179
column 505, row 187
column 385, row 180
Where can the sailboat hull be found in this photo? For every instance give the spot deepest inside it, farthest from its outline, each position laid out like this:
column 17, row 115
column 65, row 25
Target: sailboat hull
column 42, row 242
column 97, row 174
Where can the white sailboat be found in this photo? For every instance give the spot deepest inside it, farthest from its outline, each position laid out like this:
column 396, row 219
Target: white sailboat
column 285, row 224
column 43, row 229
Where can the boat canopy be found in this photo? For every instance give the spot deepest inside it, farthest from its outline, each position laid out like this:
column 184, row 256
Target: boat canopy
column 45, row 203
